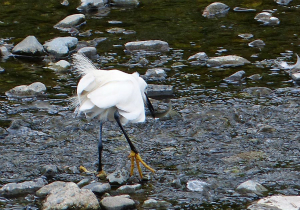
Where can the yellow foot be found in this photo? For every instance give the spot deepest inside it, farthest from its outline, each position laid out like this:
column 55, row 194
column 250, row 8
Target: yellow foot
column 138, row 160
column 101, row 175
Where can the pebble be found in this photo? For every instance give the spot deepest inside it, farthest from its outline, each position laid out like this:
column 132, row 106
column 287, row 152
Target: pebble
column 251, row 187
column 127, row 189
column 235, row 78
column 29, row 46
column 120, row 176
column 117, row 203
column 4, row 52
column 255, row 77
column 226, row 61
column 196, row 185
column 150, row 45
column 67, row 195
column 246, row 36
column 33, row 89
column 98, row 188
column 216, row 9
column 60, row 46
column 70, row 21
column 14, row 189
column 277, row 202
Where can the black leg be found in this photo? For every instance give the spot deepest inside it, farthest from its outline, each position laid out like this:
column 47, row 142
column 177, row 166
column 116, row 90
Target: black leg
column 100, row 148
column 150, row 107
column 117, row 118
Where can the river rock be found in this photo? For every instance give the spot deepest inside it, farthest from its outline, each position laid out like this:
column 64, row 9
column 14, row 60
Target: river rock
column 216, row 9
column 83, row 182
column 255, row 77
column 4, row 52
column 67, row 195
column 60, row 46
column 283, row 2
column 70, row 21
column 59, row 66
column 251, row 187
column 257, row 43
column 90, row 52
column 118, row 177
column 154, row 204
column 266, row 18
column 14, row 189
column 97, row 187
column 259, row 91
column 33, row 89
column 295, row 76
column 117, row 203
column 127, row 189
column 49, row 170
column 199, row 56
column 125, row 2
column 235, row 78
column 91, row 4
column 151, row 45
column 196, row 185
column 277, row 202
column 29, row 46
column 159, row 90
column 155, row 74
column 226, row 61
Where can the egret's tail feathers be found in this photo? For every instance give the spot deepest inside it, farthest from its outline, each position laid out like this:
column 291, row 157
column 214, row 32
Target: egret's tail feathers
column 82, row 64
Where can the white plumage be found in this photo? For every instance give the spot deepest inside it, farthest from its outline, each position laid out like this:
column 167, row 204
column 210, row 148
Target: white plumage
column 101, row 92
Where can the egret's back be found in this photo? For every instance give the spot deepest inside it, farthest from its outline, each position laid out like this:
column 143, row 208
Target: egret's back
column 102, row 92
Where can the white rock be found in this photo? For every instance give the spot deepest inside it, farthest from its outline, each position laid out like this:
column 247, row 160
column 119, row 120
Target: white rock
column 251, row 187
column 215, row 9
column 226, row 61
column 154, row 204
column 196, row 185
column 70, row 21
column 283, row 2
column 29, row 46
column 60, row 46
column 278, row 202
column 87, row 4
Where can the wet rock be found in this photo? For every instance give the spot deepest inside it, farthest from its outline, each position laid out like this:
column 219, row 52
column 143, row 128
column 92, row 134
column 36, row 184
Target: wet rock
column 90, row 52
column 125, row 2
column 33, row 89
column 277, row 202
column 255, row 77
column 86, row 33
column 49, row 170
column 216, row 9
column 283, row 2
column 70, row 21
column 83, row 182
column 155, row 74
column 118, row 177
column 71, row 170
column 115, row 30
column 250, row 187
column 60, row 46
column 88, row 5
column 240, row 9
column 127, row 189
column 14, row 189
column 235, row 78
column 29, row 46
column 266, row 18
column 67, row 195
column 154, row 204
column 117, row 203
column 65, row 3
column 226, row 61
column 196, row 185
column 151, row 45
column 246, row 36
column 97, row 187
column 200, row 56
column 59, row 66
column 4, row 52
column 257, row 43
column 259, row 91
column 159, row 90
column 295, row 76
column 266, row 129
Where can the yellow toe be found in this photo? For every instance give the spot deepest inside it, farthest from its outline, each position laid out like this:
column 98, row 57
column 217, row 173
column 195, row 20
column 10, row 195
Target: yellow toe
column 138, row 160
column 101, row 175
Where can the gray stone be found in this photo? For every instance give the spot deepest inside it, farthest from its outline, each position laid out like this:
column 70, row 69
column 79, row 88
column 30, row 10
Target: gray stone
column 259, row 91
column 155, row 74
column 226, row 61
column 61, row 65
column 296, row 76
column 29, row 46
column 83, row 182
column 196, row 185
column 151, row 45
column 117, row 203
column 125, row 2
column 13, row 189
column 283, row 2
column 90, row 4
column 255, row 77
column 154, row 204
column 127, row 189
column 199, row 56
column 216, row 9
column 118, row 177
column 159, row 90
column 4, row 52
column 250, row 186
column 90, row 52
column 263, row 16
column 70, row 21
column 33, row 89
column 97, row 187
column 60, row 46
column 235, row 78
column 277, row 202
column 49, row 170
column 67, row 195
column 257, row 43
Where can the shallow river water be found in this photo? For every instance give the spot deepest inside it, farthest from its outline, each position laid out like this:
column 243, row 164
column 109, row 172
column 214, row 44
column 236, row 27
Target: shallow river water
column 220, row 133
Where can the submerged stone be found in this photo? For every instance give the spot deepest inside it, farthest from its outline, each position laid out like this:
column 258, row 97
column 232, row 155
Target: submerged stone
column 154, row 204
column 125, row 2
column 91, row 4
column 216, row 9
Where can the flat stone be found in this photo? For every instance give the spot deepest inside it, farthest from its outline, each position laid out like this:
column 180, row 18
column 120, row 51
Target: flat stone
column 226, row 61
column 150, row 45
column 29, row 46
column 67, row 195
column 117, row 203
column 216, row 9
column 118, row 177
column 14, row 189
column 154, row 204
column 127, row 189
column 159, row 90
column 97, row 187
column 70, row 21
column 33, row 89
column 277, row 202
column 60, row 46
column 251, row 187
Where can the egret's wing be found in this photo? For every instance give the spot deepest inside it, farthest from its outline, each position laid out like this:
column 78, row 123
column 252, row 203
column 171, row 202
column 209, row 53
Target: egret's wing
column 82, row 64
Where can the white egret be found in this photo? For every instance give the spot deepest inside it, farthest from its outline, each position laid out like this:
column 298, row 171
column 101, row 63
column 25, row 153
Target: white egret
column 112, row 95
